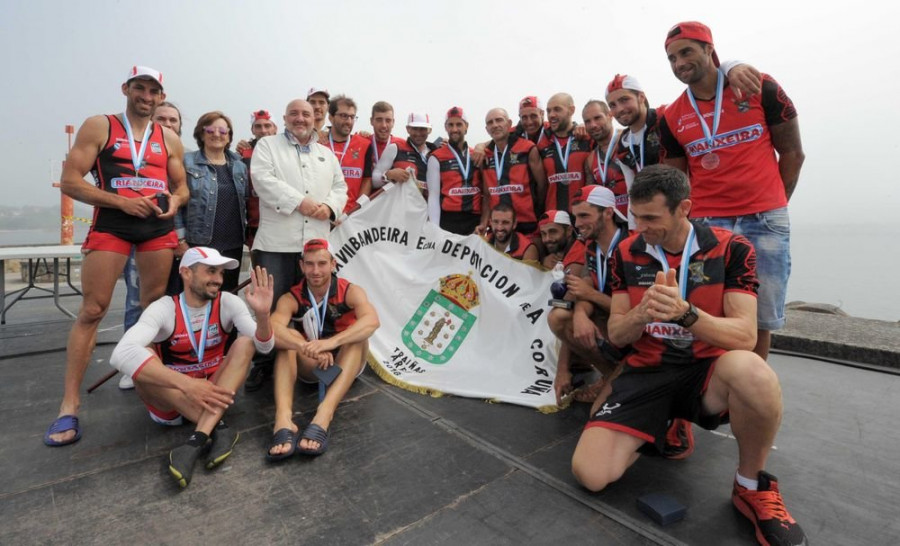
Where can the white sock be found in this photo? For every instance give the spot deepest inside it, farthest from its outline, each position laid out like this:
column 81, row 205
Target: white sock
column 752, row 485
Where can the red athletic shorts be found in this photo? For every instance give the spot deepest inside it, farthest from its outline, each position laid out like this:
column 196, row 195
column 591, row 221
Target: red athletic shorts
column 106, row 241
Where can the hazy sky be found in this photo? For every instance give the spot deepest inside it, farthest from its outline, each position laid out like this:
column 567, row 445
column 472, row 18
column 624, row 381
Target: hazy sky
column 65, row 61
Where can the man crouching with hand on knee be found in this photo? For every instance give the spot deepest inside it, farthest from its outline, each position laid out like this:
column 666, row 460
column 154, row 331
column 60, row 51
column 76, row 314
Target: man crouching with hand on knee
column 176, row 354
column 336, row 321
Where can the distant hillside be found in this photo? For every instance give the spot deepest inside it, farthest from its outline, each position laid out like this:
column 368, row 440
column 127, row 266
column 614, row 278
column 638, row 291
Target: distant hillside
column 34, row 217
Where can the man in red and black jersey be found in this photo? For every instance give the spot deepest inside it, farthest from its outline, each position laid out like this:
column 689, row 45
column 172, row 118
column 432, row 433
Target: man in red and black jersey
column 563, row 153
column 456, row 200
column 684, row 298
column 179, row 355
column 504, row 237
column 137, row 165
column 382, row 121
column 531, row 120
column 323, row 322
column 560, row 243
column 601, row 167
column 349, row 148
column 511, row 168
column 744, row 155
column 581, row 330
column 411, row 154
column 261, row 125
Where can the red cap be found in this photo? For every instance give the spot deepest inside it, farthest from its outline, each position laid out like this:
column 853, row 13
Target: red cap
column 530, row 101
column 457, row 112
column 316, row 244
column 555, row 217
column 692, row 30
column 260, row 114
column 623, row 81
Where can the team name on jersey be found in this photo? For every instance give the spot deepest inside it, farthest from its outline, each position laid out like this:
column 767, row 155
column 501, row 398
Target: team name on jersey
column 198, row 367
column 469, row 190
column 564, row 178
column 725, row 140
column 352, row 172
column 508, row 188
column 138, row 183
column 667, row 330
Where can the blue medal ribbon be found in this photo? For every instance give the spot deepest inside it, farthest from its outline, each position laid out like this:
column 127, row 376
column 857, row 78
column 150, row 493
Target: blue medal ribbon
column 710, row 135
column 137, row 156
column 564, row 157
column 200, row 348
column 464, row 171
column 602, row 167
column 499, row 160
column 685, row 262
column 638, row 161
column 603, row 261
column 319, row 309
column 344, row 152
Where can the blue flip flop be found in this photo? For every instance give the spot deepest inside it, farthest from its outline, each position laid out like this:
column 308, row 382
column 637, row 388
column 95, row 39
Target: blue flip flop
column 62, row 424
column 317, row 434
column 282, row 436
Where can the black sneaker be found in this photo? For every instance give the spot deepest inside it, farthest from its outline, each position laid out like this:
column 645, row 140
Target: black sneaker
column 223, row 440
column 259, row 374
column 181, row 462
column 766, row 511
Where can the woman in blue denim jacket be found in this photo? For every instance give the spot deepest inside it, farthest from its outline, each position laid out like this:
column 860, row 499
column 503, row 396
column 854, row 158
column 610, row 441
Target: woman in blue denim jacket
column 216, row 214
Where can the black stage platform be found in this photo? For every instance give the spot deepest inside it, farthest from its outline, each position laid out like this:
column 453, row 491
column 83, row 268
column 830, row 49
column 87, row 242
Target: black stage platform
column 403, row 468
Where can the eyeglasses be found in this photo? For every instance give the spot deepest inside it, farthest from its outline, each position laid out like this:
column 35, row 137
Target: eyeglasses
column 346, row 117
column 210, row 130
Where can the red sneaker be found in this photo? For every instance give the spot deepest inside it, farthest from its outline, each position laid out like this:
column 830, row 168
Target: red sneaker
column 765, row 509
column 679, row 440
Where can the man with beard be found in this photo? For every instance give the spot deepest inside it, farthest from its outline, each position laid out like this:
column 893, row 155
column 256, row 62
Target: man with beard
column 323, row 323
column 600, row 167
column 512, row 166
column 455, row 198
column 744, row 157
column 176, row 354
column 301, row 191
column 504, row 237
column 409, row 154
column 137, row 166
column 349, row 149
column 558, row 238
column 684, row 298
column 563, row 153
column 583, row 329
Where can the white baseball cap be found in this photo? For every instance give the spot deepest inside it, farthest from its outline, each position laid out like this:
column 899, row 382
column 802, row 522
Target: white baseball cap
column 555, row 217
column 313, row 90
column 144, row 72
column 599, row 196
column 207, row 256
column 417, row 119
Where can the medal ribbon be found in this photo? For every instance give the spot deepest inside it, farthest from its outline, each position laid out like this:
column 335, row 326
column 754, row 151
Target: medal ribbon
column 200, row 348
column 710, row 136
column 685, row 262
column 465, row 172
column 603, row 261
column 137, row 156
column 375, row 147
column 639, row 162
column 563, row 157
column 319, row 309
column 602, row 167
column 344, row 152
column 498, row 162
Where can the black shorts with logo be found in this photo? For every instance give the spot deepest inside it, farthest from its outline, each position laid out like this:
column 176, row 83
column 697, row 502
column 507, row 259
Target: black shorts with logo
column 643, row 400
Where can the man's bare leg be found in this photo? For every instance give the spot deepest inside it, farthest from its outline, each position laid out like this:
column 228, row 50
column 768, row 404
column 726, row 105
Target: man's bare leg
column 99, row 272
column 153, row 268
column 350, row 358
column 602, row 456
column 284, row 379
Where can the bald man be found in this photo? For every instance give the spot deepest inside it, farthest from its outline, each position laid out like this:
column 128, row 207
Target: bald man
column 301, row 190
column 563, row 154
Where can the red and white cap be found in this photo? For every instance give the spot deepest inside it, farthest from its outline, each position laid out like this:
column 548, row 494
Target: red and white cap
column 260, row 114
column 692, row 30
column 207, row 256
column 599, row 196
column 317, row 244
column 313, row 90
column 531, row 101
column 555, row 217
column 144, row 72
column 623, row 81
column 457, row 112
column 418, row 119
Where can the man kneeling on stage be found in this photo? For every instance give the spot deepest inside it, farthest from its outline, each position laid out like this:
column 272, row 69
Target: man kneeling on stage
column 176, row 354
column 684, row 297
column 336, row 320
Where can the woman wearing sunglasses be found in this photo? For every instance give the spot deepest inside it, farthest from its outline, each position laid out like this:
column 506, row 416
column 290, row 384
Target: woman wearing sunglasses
column 217, row 178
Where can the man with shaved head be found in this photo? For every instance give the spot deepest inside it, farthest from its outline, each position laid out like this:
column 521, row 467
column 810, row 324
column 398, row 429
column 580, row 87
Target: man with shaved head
column 512, row 165
column 301, row 190
column 563, row 153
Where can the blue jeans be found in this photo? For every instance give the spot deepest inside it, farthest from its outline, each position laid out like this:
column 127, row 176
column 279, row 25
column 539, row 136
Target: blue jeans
column 770, row 234
column 132, row 293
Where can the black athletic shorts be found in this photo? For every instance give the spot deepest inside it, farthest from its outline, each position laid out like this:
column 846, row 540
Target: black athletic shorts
column 643, row 401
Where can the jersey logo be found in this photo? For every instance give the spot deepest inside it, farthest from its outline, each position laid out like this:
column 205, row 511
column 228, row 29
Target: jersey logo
column 725, row 140
column 155, row 148
column 441, row 323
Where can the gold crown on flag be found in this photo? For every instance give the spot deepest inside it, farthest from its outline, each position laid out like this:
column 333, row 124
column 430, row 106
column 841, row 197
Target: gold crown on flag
column 461, row 290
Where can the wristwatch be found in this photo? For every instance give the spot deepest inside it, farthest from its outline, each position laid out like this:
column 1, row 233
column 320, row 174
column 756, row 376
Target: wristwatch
column 688, row 318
